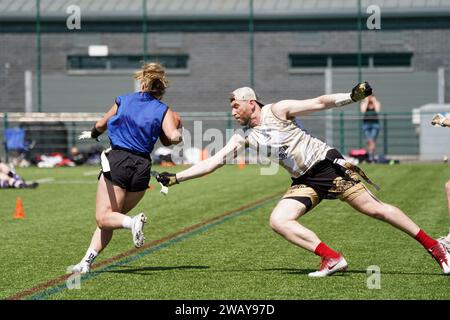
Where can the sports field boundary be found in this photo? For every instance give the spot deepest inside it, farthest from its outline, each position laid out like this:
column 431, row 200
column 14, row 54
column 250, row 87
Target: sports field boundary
column 146, row 249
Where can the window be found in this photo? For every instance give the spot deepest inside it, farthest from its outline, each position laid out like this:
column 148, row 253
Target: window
column 392, row 59
column 346, row 60
column 113, row 62
column 308, row 60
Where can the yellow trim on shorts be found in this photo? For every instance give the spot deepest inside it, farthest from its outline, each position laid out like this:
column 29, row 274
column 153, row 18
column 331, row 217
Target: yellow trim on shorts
column 302, row 190
column 353, row 192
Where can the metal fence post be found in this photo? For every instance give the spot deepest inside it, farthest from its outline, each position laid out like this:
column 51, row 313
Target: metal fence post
column 385, row 132
column 5, row 126
column 229, row 121
column 360, row 131
column 144, row 30
column 359, row 28
column 341, row 132
column 73, row 136
column 251, row 30
column 38, row 56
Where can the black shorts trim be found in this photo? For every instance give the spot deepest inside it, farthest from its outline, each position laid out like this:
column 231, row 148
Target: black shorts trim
column 304, row 200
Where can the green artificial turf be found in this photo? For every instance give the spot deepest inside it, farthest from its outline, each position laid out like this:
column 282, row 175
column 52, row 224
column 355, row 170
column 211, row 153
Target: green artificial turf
column 235, row 257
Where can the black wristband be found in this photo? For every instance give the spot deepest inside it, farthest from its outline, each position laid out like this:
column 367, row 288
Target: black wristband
column 95, row 133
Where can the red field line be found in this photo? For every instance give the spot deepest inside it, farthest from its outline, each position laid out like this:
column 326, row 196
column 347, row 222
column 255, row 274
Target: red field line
column 52, row 282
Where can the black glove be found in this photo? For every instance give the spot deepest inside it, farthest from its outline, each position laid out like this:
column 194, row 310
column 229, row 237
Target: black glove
column 167, row 179
column 360, row 91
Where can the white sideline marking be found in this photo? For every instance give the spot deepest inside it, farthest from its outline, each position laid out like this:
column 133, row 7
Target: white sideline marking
column 90, row 173
column 74, row 182
column 45, row 180
column 52, row 181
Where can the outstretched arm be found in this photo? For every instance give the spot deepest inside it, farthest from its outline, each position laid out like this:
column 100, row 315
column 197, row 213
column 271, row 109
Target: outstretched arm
column 287, row 109
column 229, row 152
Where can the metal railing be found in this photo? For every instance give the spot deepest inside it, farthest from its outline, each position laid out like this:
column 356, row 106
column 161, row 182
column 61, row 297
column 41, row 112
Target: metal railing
column 58, row 132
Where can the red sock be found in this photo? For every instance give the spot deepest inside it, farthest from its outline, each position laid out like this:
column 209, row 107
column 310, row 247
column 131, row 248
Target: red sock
column 323, row 250
column 425, row 240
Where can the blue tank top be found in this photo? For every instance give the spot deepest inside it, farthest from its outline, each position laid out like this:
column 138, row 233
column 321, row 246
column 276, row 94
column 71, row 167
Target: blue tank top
column 137, row 124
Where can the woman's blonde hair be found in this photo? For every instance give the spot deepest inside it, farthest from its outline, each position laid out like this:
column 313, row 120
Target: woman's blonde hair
column 153, row 79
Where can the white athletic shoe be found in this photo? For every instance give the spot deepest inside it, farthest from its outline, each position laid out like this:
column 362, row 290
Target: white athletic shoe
column 445, row 242
column 330, row 266
column 137, row 229
column 82, row 267
column 441, row 254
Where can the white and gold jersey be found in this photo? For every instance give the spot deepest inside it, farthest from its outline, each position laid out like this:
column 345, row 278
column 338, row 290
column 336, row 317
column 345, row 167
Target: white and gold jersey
column 284, row 142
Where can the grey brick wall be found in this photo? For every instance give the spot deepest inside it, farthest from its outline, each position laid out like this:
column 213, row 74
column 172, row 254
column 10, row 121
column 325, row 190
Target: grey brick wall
column 218, row 63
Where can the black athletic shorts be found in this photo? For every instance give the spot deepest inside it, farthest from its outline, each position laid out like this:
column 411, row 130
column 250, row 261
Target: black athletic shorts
column 130, row 171
column 325, row 180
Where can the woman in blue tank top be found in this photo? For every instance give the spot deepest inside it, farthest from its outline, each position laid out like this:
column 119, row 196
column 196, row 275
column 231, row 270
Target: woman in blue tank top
column 134, row 123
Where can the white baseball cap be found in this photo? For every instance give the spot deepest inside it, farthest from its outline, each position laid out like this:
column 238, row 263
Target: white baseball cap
column 246, row 93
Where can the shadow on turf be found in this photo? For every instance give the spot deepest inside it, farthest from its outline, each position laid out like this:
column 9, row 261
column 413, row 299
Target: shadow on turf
column 306, row 271
column 346, row 273
column 149, row 270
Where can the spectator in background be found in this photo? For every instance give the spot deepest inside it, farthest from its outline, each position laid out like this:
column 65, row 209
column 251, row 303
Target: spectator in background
column 371, row 107
column 76, row 156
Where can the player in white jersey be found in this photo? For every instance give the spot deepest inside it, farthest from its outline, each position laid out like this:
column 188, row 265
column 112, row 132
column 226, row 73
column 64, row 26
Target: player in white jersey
column 318, row 172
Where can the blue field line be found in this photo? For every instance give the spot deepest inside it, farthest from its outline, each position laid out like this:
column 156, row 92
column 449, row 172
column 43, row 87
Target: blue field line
column 60, row 287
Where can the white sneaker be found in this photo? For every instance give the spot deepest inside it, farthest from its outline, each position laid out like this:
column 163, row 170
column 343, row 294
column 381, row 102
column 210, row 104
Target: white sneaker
column 442, row 256
column 445, row 242
column 82, row 267
column 137, row 229
column 330, row 266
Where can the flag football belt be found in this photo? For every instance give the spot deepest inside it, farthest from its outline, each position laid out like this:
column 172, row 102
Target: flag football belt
column 104, row 160
column 351, row 170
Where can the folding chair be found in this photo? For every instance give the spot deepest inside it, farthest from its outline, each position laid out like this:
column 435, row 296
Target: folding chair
column 15, row 144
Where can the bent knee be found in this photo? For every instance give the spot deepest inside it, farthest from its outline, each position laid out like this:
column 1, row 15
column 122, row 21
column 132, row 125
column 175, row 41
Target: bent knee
column 277, row 223
column 101, row 220
column 101, row 223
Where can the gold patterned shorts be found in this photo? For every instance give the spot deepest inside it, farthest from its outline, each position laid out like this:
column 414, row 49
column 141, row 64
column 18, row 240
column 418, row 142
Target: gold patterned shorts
column 324, row 180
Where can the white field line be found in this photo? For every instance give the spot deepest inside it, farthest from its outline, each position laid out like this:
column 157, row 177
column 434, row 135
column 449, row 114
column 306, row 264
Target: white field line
column 91, row 173
column 73, row 182
column 45, row 180
column 52, row 181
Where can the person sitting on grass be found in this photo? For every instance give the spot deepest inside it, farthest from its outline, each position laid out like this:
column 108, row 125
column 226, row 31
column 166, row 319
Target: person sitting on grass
column 10, row 179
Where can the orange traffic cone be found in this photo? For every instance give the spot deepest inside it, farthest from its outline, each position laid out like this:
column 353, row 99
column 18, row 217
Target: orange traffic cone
column 241, row 162
column 20, row 213
column 203, row 154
